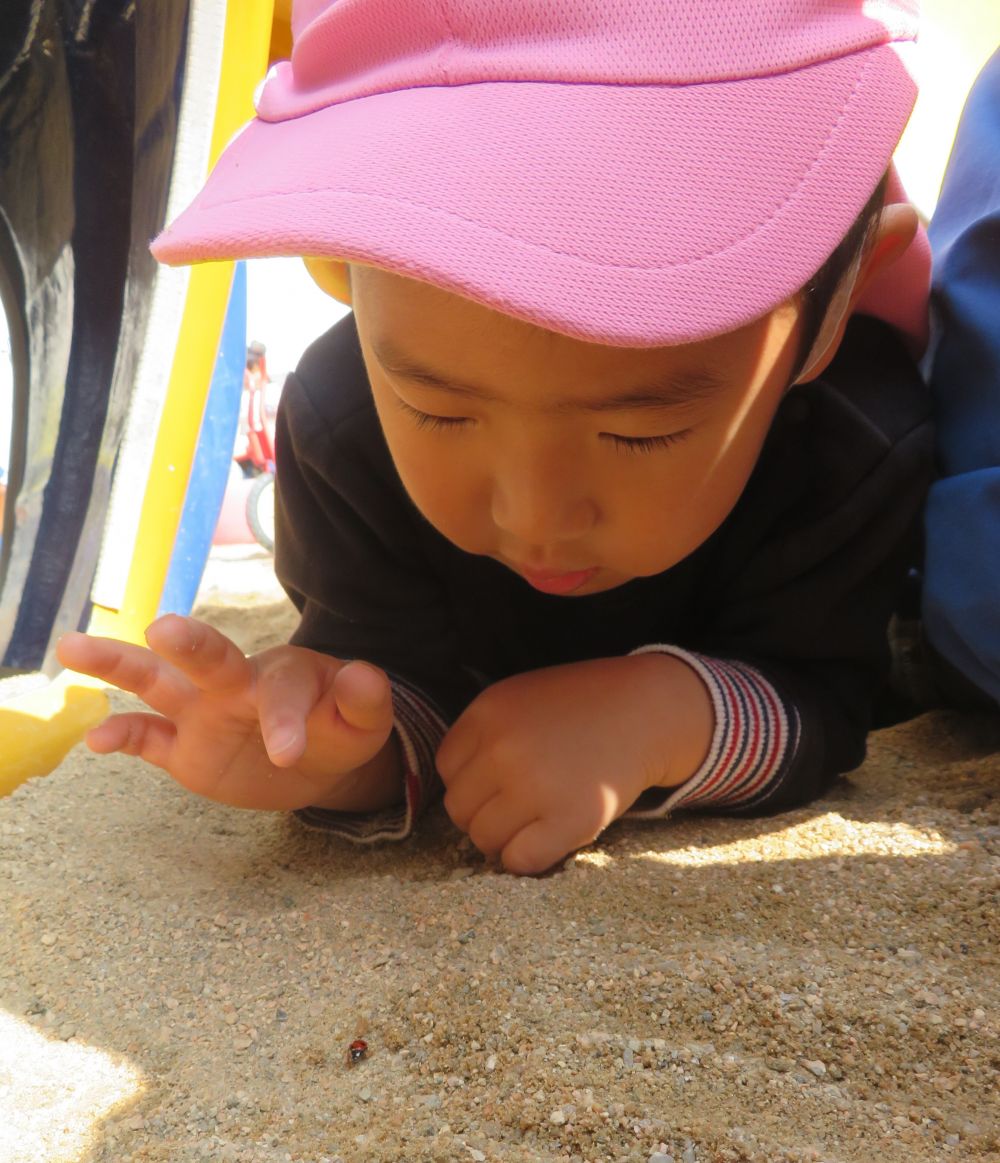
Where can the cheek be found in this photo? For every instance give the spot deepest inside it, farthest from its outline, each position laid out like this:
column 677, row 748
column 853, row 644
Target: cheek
column 679, row 506
column 445, row 488
column 718, row 474
column 655, row 532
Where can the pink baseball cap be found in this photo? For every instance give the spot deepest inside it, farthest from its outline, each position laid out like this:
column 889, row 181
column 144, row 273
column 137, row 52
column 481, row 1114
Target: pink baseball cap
column 630, row 172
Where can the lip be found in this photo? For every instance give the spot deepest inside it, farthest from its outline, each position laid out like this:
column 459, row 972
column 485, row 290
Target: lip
column 551, row 582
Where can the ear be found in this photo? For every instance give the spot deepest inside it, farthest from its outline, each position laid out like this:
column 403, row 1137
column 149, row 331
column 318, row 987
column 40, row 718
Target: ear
column 897, row 228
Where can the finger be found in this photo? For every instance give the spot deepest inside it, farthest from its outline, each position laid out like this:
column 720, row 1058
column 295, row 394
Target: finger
column 536, row 847
column 459, row 745
column 364, row 697
column 494, row 825
column 209, row 659
column 132, row 668
column 467, row 797
column 150, row 737
column 288, row 688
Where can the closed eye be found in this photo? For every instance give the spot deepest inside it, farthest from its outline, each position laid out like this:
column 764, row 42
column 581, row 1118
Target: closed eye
column 633, row 445
column 630, row 445
column 430, row 422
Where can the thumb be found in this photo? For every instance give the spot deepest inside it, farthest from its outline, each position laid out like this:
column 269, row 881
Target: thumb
column 364, row 696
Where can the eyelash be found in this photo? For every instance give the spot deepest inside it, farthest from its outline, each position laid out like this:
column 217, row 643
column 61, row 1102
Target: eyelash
column 433, row 423
column 630, row 445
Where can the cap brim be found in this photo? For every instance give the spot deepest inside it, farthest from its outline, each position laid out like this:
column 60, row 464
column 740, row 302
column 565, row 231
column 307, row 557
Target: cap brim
column 627, row 215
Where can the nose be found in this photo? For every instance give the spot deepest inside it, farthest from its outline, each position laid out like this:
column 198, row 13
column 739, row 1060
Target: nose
column 539, row 501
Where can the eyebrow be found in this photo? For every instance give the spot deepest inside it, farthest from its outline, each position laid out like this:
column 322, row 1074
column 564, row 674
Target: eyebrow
column 687, row 387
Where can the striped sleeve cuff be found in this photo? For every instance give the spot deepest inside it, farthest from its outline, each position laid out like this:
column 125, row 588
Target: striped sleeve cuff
column 756, row 734
column 420, row 729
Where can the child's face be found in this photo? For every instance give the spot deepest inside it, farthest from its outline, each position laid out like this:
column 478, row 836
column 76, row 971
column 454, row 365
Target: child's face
column 514, row 443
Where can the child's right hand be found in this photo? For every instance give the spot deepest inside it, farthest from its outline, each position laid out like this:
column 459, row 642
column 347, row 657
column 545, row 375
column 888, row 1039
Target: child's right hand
column 284, row 729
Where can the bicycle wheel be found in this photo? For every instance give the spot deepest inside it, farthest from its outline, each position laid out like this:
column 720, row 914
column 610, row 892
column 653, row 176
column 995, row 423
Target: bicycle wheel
column 260, row 510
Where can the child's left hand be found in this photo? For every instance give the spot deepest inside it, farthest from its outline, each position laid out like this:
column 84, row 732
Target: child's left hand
column 540, row 763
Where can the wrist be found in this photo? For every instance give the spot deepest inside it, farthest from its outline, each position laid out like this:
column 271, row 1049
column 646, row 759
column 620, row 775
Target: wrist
column 681, row 707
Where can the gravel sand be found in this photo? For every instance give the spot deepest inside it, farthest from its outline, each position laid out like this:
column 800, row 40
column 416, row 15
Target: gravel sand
column 181, row 982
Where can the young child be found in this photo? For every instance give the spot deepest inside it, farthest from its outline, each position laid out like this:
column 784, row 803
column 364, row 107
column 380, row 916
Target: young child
column 599, row 501
column 254, row 452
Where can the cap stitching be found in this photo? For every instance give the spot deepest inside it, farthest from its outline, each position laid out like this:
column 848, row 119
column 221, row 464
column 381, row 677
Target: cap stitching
column 444, row 51
column 544, row 247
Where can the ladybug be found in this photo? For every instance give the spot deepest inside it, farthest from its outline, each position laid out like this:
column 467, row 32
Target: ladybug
column 357, row 1051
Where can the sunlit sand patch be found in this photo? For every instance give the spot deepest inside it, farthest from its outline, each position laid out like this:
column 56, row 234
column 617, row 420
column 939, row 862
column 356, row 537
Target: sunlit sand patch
column 54, row 1095
column 823, row 837
column 594, row 859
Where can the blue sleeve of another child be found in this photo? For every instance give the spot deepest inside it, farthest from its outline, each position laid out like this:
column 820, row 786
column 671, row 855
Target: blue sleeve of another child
column 962, row 580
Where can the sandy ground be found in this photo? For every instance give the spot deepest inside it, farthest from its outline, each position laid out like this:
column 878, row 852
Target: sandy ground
column 180, row 982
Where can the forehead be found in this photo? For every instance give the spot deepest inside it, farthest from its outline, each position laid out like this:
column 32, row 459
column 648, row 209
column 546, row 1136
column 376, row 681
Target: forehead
column 408, row 325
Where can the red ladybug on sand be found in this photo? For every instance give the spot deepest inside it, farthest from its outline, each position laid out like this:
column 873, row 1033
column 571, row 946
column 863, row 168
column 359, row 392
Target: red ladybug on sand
column 357, row 1051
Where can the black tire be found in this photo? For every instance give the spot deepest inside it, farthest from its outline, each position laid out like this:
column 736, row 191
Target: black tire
column 260, row 511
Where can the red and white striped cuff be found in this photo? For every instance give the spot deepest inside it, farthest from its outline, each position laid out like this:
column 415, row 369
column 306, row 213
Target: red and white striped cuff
column 420, row 730
column 754, row 734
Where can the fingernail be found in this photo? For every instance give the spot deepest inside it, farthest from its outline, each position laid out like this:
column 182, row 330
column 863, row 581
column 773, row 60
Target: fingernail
column 281, row 741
